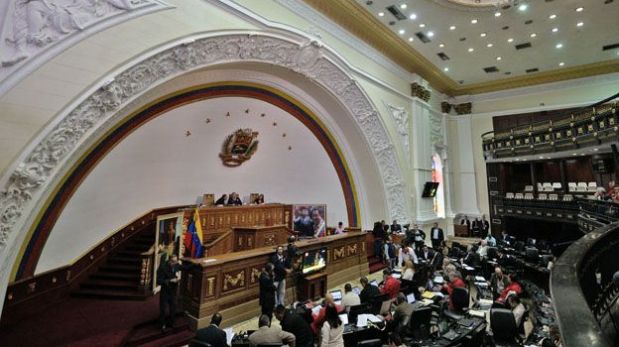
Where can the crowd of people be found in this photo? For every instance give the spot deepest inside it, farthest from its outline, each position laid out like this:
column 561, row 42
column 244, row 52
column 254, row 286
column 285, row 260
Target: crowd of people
column 421, row 268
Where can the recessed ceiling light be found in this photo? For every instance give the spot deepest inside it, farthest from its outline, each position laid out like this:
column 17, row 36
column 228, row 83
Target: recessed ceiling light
column 453, row 27
column 559, row 45
column 380, row 14
column 413, row 16
column 552, row 16
column 471, row 49
column 561, row 63
column 554, row 30
column 403, row 6
column 401, row 31
column 489, row 45
column 410, row 39
column 579, row 9
column 422, row 25
column 497, row 14
column 474, row 21
column 442, row 45
column 533, row 35
column 510, row 40
column 498, row 58
column 579, row 24
column 430, row 33
column 446, row 69
column 523, row 7
column 483, row 34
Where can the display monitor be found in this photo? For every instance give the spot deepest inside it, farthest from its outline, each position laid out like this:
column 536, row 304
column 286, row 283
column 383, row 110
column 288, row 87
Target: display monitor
column 314, row 260
column 429, row 190
column 337, row 295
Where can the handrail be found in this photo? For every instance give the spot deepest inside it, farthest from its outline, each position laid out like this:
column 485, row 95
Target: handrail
column 577, row 322
column 567, row 114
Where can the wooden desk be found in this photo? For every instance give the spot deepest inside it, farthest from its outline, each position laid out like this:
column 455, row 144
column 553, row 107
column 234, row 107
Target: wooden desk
column 461, row 230
column 228, row 283
column 246, row 238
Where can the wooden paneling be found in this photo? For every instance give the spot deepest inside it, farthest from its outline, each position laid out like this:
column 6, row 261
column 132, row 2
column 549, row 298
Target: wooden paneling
column 235, row 276
column 505, row 123
column 246, row 238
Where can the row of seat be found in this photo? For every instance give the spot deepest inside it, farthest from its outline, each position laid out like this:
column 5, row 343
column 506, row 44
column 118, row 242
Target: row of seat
column 571, row 187
column 540, row 196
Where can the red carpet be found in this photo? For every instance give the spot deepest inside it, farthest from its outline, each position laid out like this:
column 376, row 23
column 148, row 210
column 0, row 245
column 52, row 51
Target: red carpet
column 91, row 322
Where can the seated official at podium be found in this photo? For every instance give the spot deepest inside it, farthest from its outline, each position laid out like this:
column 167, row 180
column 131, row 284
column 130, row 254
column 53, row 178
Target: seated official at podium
column 234, row 200
column 222, row 200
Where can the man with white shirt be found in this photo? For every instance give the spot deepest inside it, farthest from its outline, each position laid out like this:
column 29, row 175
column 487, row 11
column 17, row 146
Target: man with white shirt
column 407, row 253
column 437, row 236
column 350, row 298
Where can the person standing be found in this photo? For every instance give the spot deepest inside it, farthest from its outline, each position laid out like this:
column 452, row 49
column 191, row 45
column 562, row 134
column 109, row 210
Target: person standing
column 267, row 290
column 395, row 227
column 467, row 222
column 293, row 323
column 436, row 236
column 420, row 238
column 281, row 270
column 369, row 292
column 485, row 226
column 167, row 278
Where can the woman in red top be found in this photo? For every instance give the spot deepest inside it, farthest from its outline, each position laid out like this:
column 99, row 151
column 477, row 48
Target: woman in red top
column 513, row 286
column 454, row 282
column 390, row 285
column 319, row 318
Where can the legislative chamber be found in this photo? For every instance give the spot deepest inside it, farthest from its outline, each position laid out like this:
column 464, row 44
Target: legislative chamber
column 309, row 173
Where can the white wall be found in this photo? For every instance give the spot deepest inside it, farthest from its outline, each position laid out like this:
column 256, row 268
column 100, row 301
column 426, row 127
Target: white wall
column 158, row 165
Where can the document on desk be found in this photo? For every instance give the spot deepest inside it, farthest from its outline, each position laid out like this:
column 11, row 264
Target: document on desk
column 477, row 313
column 480, row 279
column 467, row 268
column 229, row 335
column 363, row 319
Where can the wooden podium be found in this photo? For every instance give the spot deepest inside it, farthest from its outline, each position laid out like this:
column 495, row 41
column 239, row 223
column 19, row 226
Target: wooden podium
column 312, row 287
column 461, row 230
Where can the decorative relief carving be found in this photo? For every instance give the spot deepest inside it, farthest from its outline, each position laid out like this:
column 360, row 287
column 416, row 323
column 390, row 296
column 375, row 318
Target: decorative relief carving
column 401, row 118
column 307, row 58
column 32, row 26
column 254, row 275
column 436, row 130
column 352, row 249
column 235, row 281
column 420, row 92
column 339, row 253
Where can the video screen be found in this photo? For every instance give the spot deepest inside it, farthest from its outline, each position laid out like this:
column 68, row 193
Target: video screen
column 310, row 220
column 314, row 260
column 429, row 190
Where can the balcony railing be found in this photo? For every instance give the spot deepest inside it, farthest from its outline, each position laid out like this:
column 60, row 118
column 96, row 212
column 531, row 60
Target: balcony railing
column 584, row 297
column 537, row 209
column 590, row 127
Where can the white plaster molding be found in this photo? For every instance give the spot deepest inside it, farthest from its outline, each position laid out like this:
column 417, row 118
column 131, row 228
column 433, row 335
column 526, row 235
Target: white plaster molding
column 315, row 31
column 27, row 182
column 401, row 118
column 34, row 31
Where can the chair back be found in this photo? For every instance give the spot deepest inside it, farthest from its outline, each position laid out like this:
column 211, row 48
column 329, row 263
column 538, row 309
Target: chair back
column 198, row 343
column 419, row 324
column 503, row 324
column 460, row 299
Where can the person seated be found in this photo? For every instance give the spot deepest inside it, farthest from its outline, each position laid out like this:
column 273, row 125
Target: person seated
column 395, row 340
column 395, row 227
column 350, row 298
column 234, row 200
column 339, row 229
column 319, row 317
column 212, row 334
column 293, row 323
column 267, row 334
column 332, row 330
column 408, row 271
column 222, row 200
column 455, row 281
column 402, row 310
column 390, row 286
column 490, row 240
column 483, row 249
column 259, row 200
column 513, row 286
column 498, row 282
column 518, row 309
column 369, row 292
column 426, row 253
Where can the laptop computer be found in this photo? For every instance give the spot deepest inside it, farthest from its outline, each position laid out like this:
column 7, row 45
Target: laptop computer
column 337, row 296
column 356, row 290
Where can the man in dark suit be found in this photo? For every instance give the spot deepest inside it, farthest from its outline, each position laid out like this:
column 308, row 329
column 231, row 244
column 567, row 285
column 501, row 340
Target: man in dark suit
column 267, row 290
column 395, row 227
column 437, row 236
column 369, row 292
column 485, row 226
column 212, row 334
column 168, row 280
column 281, row 270
column 426, row 253
column 221, row 200
column 293, row 323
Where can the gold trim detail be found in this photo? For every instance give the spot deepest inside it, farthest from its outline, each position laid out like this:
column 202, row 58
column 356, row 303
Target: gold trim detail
column 354, row 18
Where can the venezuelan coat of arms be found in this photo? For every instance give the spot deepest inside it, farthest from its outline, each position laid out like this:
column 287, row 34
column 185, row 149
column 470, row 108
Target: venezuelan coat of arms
column 239, row 147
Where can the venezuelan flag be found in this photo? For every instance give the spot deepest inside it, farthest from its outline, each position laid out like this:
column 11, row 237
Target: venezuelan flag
column 193, row 237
